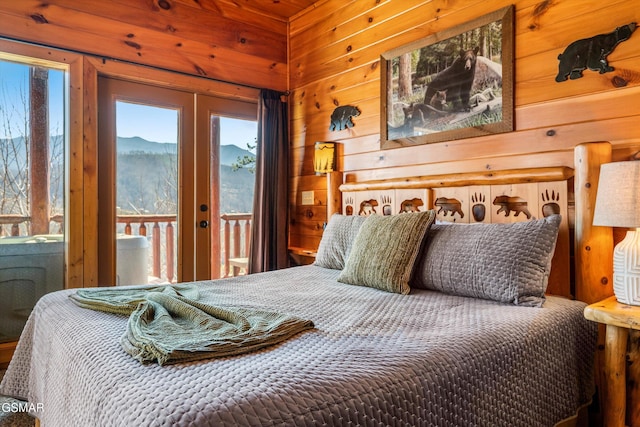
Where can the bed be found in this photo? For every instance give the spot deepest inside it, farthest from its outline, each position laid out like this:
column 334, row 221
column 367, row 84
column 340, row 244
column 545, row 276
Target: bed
column 426, row 350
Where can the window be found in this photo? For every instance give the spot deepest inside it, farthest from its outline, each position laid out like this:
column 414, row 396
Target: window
column 32, row 188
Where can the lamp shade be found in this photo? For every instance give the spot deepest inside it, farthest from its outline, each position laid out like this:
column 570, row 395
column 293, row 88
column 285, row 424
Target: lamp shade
column 618, row 201
column 323, row 157
column 617, row 206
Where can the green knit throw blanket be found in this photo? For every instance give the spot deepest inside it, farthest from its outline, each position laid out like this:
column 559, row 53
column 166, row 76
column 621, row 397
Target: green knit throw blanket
column 169, row 324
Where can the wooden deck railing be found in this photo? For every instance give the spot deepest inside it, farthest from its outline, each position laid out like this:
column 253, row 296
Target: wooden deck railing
column 236, row 234
column 157, row 255
column 236, row 246
column 10, row 224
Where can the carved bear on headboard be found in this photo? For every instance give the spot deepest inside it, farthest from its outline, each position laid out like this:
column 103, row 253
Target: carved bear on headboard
column 456, row 80
column 341, row 117
column 511, row 204
column 411, row 205
column 446, row 205
column 591, row 53
column 368, row 207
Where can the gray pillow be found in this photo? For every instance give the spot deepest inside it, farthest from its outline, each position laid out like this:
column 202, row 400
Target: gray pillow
column 336, row 241
column 385, row 250
column 509, row 263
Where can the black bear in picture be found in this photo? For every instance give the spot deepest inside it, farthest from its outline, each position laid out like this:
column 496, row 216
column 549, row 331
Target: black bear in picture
column 456, row 80
column 591, row 53
column 341, row 117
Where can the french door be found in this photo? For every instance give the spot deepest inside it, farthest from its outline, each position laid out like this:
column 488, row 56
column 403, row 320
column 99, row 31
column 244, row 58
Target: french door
column 159, row 183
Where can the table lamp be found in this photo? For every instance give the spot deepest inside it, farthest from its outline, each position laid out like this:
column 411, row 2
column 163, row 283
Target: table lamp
column 618, row 205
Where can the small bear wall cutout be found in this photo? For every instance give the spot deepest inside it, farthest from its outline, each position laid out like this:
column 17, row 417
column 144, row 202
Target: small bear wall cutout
column 591, row 53
column 341, row 117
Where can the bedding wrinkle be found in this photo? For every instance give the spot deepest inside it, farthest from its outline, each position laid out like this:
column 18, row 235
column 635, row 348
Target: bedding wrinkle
column 168, row 327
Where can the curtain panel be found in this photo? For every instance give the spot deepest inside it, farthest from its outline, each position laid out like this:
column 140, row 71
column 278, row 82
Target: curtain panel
column 270, row 229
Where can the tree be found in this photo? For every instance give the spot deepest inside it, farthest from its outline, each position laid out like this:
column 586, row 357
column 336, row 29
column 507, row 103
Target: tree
column 247, row 162
column 17, row 105
column 14, row 187
column 404, row 76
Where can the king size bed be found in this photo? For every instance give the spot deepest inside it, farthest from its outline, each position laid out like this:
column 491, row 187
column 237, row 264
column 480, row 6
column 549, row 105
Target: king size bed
column 410, row 323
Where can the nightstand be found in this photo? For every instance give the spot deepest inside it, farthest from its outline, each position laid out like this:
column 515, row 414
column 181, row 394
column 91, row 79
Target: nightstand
column 302, row 256
column 618, row 318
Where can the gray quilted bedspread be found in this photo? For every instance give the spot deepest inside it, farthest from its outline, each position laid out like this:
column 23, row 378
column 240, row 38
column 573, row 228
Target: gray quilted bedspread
column 374, row 359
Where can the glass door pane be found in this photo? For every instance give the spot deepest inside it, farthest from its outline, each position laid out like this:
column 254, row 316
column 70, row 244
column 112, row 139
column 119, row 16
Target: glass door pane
column 226, row 131
column 146, row 184
column 237, row 182
column 32, row 192
column 146, row 193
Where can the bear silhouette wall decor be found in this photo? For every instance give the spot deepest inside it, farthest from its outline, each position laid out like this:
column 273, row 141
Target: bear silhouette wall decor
column 591, row 53
column 341, row 117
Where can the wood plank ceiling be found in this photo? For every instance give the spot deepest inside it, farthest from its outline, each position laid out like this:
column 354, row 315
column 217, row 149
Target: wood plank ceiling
column 281, row 9
column 236, row 41
column 268, row 14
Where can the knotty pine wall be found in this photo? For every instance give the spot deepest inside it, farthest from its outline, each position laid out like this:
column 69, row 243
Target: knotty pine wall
column 192, row 37
column 334, row 60
column 334, row 49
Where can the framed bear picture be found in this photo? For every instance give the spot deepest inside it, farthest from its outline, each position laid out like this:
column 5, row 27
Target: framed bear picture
column 454, row 84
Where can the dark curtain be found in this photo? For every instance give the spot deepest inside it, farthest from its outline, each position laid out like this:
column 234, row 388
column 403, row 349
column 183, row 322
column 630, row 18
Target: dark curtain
column 269, row 232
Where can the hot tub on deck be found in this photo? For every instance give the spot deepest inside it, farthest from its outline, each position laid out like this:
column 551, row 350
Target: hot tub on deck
column 31, row 266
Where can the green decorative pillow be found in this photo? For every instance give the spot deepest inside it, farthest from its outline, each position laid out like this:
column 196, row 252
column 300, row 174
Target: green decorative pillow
column 385, row 250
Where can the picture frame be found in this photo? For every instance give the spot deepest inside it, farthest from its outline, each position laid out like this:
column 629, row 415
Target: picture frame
column 454, row 84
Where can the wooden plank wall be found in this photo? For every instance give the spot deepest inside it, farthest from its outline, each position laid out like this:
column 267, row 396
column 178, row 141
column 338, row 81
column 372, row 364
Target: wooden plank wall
column 334, row 60
column 217, row 40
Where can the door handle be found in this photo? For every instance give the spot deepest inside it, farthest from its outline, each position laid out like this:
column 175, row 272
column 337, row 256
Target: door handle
column 204, row 224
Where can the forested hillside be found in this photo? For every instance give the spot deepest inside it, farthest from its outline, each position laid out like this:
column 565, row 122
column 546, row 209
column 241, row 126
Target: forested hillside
column 145, row 178
column 145, row 183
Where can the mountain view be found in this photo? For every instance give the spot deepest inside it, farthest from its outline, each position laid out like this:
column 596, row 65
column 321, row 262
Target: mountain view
column 146, row 175
column 146, row 181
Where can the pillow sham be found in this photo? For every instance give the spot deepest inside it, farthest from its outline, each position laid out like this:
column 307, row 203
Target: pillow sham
column 336, row 241
column 509, row 263
column 384, row 252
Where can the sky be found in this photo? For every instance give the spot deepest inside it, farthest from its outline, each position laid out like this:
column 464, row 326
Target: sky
column 161, row 125
column 151, row 123
column 14, row 92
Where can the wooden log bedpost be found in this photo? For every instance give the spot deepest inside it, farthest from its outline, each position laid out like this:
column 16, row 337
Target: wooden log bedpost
column 594, row 256
column 334, row 198
column 593, row 245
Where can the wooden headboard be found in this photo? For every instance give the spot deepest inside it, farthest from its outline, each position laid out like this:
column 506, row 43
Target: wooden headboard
column 511, row 196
